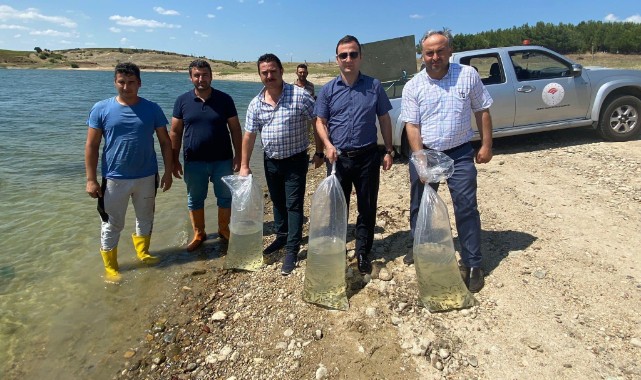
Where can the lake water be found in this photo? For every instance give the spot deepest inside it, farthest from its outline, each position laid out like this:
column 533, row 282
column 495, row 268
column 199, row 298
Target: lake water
column 58, row 319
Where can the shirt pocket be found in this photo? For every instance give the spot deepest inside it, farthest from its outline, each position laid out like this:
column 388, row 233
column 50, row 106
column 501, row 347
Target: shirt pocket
column 370, row 99
column 458, row 98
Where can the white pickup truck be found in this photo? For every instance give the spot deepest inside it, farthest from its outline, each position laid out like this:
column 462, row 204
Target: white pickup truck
column 535, row 89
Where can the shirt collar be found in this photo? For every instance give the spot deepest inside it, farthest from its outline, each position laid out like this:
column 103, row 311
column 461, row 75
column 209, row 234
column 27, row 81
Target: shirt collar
column 358, row 79
column 446, row 76
column 193, row 93
column 261, row 94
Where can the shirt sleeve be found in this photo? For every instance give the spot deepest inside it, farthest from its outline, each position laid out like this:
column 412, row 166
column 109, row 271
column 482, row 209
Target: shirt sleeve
column 383, row 105
column 95, row 117
column 178, row 111
column 480, row 98
column 409, row 105
column 251, row 118
column 161, row 119
column 321, row 108
column 231, row 107
column 308, row 105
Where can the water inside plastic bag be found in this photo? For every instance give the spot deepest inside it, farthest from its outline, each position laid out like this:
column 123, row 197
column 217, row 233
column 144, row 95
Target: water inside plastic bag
column 325, row 282
column 245, row 250
column 440, row 286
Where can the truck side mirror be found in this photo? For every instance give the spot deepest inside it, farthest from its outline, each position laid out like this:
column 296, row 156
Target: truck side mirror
column 576, row 70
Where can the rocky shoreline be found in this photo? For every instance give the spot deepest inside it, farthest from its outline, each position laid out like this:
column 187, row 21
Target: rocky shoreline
column 561, row 300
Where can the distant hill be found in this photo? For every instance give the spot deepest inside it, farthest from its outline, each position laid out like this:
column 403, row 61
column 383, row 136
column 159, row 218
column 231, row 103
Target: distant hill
column 108, row 58
column 99, row 59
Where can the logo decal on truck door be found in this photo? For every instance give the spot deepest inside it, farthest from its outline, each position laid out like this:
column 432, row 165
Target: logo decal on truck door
column 553, row 94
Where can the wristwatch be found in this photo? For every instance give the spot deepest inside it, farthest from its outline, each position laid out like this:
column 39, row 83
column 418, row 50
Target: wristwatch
column 390, row 152
column 319, row 154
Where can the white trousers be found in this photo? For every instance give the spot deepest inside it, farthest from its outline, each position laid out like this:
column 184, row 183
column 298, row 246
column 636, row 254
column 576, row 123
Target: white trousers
column 116, row 194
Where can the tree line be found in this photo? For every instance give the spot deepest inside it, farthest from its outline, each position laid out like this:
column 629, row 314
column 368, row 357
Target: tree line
column 587, row 36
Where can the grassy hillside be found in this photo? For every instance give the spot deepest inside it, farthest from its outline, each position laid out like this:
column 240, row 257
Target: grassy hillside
column 107, row 58
column 621, row 61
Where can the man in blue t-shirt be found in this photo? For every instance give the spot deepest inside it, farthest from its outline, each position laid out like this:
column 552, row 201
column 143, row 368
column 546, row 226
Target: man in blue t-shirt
column 129, row 168
column 205, row 122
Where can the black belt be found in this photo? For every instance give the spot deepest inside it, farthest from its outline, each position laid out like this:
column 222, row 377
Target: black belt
column 357, row 152
column 292, row 157
column 448, row 151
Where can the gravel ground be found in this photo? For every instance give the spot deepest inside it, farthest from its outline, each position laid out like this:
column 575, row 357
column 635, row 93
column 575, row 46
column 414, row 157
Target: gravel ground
column 561, row 230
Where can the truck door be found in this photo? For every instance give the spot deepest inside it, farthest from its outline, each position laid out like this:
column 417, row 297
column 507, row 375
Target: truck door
column 493, row 77
column 545, row 90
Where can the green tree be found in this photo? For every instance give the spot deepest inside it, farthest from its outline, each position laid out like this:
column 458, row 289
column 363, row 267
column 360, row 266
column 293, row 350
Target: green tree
column 593, row 36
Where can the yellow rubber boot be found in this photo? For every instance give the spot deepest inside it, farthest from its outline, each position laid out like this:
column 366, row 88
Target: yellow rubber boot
column 141, row 244
column 198, row 223
column 224, row 215
column 110, row 258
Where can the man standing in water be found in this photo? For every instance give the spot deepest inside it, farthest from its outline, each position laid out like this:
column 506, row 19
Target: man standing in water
column 281, row 113
column 208, row 117
column 347, row 108
column 129, row 168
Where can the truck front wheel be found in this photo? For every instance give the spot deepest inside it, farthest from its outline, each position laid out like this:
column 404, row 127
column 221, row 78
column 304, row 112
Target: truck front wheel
column 621, row 120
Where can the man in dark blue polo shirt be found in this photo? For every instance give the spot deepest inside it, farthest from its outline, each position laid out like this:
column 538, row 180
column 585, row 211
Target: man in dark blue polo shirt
column 346, row 110
column 209, row 121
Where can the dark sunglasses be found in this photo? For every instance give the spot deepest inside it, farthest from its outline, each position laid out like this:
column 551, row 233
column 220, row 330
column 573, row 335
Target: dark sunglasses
column 351, row 54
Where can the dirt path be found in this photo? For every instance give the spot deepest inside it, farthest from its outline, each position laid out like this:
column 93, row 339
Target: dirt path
column 561, row 214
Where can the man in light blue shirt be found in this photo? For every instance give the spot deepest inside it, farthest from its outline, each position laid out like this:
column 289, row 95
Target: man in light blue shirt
column 129, row 168
column 437, row 106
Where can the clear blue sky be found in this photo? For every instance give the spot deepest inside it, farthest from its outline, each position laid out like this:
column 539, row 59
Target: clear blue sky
column 294, row 30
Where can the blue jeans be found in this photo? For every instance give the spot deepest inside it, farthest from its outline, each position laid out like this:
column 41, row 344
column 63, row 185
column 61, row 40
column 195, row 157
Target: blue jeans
column 462, row 187
column 197, row 176
column 286, row 179
column 363, row 173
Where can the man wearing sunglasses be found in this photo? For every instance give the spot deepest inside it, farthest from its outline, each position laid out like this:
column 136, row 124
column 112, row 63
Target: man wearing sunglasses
column 347, row 108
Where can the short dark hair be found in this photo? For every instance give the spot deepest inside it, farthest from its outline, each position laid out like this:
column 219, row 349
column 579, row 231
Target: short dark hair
column 199, row 64
column 127, row 68
column 347, row 39
column 301, row 66
column 269, row 57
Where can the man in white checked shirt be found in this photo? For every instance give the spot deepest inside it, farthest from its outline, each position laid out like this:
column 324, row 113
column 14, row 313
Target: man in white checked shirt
column 437, row 106
column 281, row 113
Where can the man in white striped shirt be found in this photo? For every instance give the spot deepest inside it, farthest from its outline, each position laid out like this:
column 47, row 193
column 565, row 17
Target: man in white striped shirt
column 437, row 106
